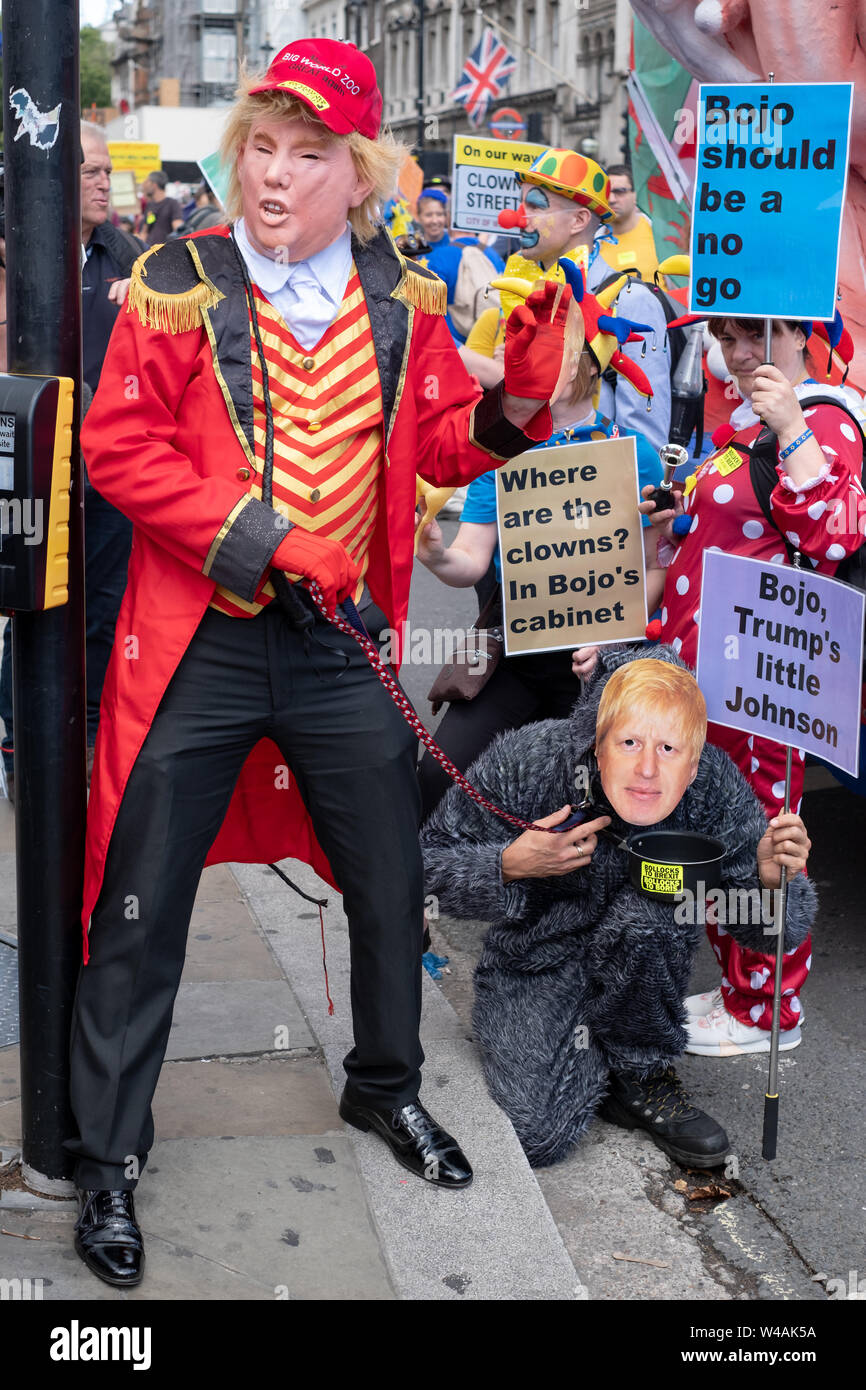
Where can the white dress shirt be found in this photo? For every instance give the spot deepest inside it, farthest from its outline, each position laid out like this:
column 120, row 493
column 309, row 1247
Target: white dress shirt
column 306, row 294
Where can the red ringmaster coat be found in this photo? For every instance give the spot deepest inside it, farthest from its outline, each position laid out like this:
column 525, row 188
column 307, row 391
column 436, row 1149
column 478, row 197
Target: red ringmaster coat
column 167, row 439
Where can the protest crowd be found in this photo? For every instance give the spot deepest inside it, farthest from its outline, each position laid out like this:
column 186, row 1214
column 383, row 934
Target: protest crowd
column 330, row 376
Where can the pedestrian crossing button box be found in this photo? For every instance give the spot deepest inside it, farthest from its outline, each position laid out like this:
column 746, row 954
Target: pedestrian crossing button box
column 35, row 473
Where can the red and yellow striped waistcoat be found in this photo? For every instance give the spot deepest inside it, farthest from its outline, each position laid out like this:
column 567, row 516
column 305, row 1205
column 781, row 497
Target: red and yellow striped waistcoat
column 328, row 439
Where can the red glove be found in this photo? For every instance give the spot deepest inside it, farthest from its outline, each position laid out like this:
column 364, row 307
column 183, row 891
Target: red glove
column 535, row 342
column 311, row 556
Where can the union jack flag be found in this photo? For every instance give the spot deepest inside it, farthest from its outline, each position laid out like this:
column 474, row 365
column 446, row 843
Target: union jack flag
column 484, row 76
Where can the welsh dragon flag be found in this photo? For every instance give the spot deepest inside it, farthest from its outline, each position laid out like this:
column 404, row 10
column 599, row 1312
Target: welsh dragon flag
column 662, row 108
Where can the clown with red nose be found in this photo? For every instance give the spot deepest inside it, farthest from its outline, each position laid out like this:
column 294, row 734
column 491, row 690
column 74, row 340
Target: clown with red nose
column 564, row 215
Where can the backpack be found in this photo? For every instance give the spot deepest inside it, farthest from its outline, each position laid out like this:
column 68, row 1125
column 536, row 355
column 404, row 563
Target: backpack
column 471, row 291
column 687, row 409
column 763, row 477
column 672, row 310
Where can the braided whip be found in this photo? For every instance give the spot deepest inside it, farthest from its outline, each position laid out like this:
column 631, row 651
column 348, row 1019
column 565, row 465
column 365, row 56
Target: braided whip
column 404, row 705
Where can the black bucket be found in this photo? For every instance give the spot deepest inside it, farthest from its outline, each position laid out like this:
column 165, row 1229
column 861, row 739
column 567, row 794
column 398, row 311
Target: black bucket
column 665, row 863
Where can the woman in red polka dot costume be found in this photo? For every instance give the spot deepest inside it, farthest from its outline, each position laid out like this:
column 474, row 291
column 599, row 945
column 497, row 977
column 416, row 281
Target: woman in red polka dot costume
column 818, row 492
column 819, row 482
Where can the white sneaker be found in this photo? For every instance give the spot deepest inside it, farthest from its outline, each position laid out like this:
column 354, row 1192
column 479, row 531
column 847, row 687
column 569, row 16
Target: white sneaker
column 719, row 1034
column 699, row 1005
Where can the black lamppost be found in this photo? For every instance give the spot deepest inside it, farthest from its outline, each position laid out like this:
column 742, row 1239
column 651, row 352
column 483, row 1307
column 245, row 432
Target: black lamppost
column 43, row 299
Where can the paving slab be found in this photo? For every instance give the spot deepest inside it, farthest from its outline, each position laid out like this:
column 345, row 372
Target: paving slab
column 171, row 1272
column 10, row 1071
column 493, row 1240
column 270, row 1095
column 216, row 1019
column 288, row 1211
column 10, row 1122
column 279, row 1218
column 217, row 884
column 9, row 894
column 224, row 943
column 7, row 830
column 294, row 931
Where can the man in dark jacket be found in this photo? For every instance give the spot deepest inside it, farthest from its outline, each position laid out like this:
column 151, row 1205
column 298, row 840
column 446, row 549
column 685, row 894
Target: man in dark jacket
column 580, row 983
column 109, row 257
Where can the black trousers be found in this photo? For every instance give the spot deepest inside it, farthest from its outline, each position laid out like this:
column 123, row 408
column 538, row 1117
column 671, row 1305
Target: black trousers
column 353, row 758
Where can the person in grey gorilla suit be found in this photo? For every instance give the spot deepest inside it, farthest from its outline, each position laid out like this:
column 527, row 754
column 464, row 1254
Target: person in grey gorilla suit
column 579, row 988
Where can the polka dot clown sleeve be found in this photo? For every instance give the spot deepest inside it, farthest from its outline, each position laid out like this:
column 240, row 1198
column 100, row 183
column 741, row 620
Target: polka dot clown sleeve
column 825, row 518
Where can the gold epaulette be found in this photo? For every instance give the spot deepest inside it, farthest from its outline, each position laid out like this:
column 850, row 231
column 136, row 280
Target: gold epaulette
column 424, row 289
column 169, row 294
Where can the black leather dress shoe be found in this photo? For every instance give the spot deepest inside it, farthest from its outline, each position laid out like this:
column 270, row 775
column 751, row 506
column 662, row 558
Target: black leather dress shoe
column 415, row 1140
column 659, row 1105
column 108, row 1239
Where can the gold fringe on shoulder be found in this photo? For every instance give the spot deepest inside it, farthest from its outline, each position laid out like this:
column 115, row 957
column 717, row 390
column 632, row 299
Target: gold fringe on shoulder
column 171, row 313
column 425, row 293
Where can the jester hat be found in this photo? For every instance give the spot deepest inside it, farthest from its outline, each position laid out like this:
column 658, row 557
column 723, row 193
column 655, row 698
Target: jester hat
column 836, row 337
column 604, row 333
column 573, row 176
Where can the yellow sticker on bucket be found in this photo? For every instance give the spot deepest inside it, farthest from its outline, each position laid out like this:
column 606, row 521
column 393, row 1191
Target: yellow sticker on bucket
column 661, row 878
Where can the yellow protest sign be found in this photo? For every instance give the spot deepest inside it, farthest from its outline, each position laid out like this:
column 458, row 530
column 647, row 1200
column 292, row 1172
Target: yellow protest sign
column 571, row 547
column 140, row 156
column 485, row 180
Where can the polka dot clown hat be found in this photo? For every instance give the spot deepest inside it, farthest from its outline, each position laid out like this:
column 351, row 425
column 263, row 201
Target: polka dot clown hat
column 573, row 176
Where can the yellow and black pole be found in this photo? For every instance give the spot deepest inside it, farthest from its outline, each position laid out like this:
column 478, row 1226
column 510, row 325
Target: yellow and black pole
column 41, row 418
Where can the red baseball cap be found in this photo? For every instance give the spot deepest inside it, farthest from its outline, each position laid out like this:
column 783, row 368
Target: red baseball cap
column 334, row 79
